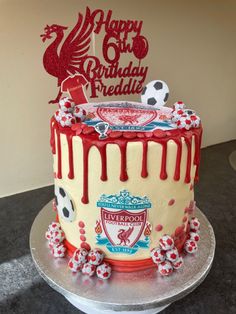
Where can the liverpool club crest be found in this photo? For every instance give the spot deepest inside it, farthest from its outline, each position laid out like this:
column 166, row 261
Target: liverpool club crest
column 123, row 225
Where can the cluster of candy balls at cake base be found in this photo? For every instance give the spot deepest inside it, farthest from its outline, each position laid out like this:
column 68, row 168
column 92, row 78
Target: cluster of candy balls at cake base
column 166, row 255
column 88, row 263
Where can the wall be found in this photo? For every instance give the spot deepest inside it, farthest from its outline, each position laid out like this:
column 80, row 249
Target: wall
column 192, row 48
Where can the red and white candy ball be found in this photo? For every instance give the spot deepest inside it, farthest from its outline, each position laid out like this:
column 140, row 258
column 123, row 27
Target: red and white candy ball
column 104, row 271
column 165, row 268
column 194, row 236
column 178, row 263
column 79, row 113
column 57, row 236
column 58, row 115
column 194, row 224
column 88, row 269
column 190, row 246
column 65, row 104
column 54, row 234
column 80, row 256
column 54, row 226
column 67, row 119
column 95, row 257
column 74, row 266
column 172, row 255
column 184, row 123
column 179, row 105
column 176, row 115
column 195, row 120
column 166, row 242
column 59, row 250
column 157, row 255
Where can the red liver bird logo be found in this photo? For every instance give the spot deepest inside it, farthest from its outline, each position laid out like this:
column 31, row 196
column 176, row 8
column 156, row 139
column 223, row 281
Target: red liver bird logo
column 124, row 235
column 67, row 60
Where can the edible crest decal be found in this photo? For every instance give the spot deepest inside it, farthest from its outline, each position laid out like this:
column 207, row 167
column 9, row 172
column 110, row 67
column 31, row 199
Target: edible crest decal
column 123, row 225
column 105, row 76
column 127, row 116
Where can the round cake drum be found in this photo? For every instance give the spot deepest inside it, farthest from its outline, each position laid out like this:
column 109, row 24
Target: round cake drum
column 141, row 292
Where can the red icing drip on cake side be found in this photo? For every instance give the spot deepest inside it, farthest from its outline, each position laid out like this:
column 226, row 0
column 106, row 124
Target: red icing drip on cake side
column 93, row 140
column 188, row 141
column 70, row 156
column 163, row 174
column 86, row 147
column 123, row 170
column 178, row 158
column 103, row 153
column 144, row 172
column 59, row 173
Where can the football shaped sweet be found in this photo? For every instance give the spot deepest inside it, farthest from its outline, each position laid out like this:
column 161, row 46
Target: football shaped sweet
column 165, row 268
column 88, row 269
column 194, row 224
column 190, row 246
column 155, row 94
column 80, row 256
column 166, row 242
column 172, row 255
column 157, row 255
column 104, row 271
column 178, row 263
column 95, row 257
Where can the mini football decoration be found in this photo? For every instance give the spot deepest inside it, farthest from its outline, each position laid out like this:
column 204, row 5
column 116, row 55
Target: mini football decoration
column 79, row 113
column 88, row 269
column 165, row 268
column 104, row 271
column 74, row 266
column 95, row 257
column 158, row 255
column 172, row 255
column 166, row 242
column 178, row 263
column 194, row 224
column 59, row 250
column 65, row 206
column 80, row 256
column 65, row 104
column 194, row 236
column 66, row 119
column 155, row 94
column 190, row 246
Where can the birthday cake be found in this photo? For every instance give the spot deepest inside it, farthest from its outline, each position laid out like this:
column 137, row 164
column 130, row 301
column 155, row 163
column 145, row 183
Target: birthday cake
column 124, row 184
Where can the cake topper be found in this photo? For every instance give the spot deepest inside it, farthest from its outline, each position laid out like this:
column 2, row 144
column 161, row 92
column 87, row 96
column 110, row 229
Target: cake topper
column 75, row 64
column 155, row 94
column 102, row 128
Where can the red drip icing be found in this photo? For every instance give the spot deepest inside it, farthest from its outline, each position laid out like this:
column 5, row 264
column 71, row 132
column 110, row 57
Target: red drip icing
column 123, row 170
column 70, row 157
column 188, row 141
column 59, row 174
column 198, row 141
column 178, row 159
column 163, row 173
column 144, row 172
column 93, row 140
column 52, row 139
column 103, row 153
column 130, row 266
column 86, row 148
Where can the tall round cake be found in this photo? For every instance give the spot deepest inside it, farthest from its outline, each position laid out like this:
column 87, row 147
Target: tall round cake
column 124, row 177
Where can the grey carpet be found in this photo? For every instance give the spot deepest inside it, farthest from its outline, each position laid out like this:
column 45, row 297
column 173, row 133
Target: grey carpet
column 23, row 291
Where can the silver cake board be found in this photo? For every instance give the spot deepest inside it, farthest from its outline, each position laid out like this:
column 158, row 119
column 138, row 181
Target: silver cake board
column 139, row 292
